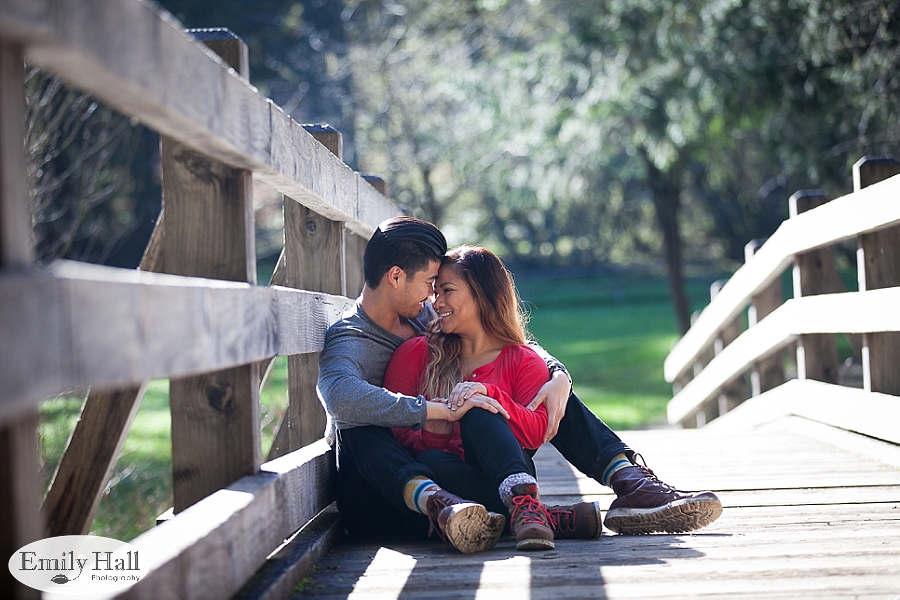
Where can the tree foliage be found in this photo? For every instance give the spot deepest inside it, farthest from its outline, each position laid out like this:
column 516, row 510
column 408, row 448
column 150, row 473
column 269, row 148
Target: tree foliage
column 652, row 132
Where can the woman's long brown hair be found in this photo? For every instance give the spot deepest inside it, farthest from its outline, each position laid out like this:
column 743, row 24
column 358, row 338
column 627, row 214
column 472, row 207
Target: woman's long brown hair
column 499, row 307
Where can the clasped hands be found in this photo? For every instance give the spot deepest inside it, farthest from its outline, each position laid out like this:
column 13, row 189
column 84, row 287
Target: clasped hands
column 463, row 397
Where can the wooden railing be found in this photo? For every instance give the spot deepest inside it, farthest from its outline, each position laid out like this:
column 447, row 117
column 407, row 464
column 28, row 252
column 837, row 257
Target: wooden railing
column 192, row 313
column 736, row 347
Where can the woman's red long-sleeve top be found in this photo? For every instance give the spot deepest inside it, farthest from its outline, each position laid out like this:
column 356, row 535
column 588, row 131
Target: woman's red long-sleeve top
column 513, row 379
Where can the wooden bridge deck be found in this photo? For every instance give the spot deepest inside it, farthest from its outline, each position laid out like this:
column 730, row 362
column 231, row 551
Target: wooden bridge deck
column 810, row 510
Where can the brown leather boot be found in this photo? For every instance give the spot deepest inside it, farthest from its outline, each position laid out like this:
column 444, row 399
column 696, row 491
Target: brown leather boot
column 529, row 520
column 468, row 526
column 579, row 521
column 647, row 505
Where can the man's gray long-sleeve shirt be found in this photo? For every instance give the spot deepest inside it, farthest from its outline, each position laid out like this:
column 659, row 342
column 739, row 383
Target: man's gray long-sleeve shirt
column 351, row 370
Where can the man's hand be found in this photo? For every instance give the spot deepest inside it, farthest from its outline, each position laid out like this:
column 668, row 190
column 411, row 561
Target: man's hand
column 554, row 395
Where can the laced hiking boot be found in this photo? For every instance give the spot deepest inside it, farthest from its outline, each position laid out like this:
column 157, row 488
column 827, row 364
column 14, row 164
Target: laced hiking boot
column 467, row 526
column 644, row 504
column 528, row 519
column 579, row 521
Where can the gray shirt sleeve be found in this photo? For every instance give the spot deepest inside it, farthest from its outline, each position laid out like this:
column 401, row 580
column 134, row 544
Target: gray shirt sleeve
column 351, row 369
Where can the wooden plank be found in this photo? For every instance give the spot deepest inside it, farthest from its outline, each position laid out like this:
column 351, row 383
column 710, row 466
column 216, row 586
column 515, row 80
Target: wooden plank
column 879, row 267
column 313, row 261
column 846, row 408
column 870, row 209
column 210, row 233
column 20, row 519
column 142, row 64
column 354, row 248
column 294, row 561
column 15, row 216
column 814, row 274
column 832, row 541
column 89, row 459
column 852, row 312
column 134, row 326
column 97, row 440
column 211, row 549
column 767, row 373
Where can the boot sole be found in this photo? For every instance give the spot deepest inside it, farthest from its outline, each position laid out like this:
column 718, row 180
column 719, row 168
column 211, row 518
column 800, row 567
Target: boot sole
column 535, row 544
column 680, row 516
column 471, row 528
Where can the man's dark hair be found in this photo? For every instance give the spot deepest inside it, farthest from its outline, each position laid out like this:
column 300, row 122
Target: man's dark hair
column 405, row 242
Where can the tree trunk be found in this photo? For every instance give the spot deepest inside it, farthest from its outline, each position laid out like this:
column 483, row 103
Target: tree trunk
column 665, row 192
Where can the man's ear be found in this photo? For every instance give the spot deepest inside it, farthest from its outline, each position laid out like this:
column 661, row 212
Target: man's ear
column 395, row 276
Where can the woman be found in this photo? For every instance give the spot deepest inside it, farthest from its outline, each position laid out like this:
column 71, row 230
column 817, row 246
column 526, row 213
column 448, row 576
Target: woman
column 477, row 345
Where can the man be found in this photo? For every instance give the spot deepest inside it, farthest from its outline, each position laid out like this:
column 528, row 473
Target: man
column 381, row 487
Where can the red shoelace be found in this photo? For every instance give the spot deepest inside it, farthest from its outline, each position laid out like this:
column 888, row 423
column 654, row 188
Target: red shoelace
column 529, row 509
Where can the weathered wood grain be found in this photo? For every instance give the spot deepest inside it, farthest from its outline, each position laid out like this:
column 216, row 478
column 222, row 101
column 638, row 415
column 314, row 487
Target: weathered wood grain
column 313, row 261
column 879, row 267
column 870, row 209
column 20, row 521
column 142, row 64
column 834, row 541
column 852, row 312
column 213, row 547
column 89, row 459
column 75, row 325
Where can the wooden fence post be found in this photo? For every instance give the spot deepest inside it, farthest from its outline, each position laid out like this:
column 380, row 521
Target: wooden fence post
column 209, row 232
column 813, row 275
column 878, row 264
column 20, row 493
column 767, row 373
column 313, row 261
column 736, row 391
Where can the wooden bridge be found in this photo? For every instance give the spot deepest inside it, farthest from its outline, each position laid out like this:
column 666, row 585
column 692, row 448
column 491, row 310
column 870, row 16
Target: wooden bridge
column 807, row 468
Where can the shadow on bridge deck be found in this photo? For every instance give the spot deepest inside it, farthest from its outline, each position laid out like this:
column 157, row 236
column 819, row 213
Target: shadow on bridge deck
column 810, row 510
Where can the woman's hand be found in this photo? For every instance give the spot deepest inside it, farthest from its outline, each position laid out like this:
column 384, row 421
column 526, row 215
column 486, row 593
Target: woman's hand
column 462, row 392
column 478, row 401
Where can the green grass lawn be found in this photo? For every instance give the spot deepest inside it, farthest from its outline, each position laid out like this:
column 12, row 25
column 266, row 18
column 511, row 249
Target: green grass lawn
column 612, row 332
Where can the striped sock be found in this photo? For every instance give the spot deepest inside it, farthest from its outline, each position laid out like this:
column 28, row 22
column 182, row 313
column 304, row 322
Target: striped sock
column 619, row 462
column 417, row 491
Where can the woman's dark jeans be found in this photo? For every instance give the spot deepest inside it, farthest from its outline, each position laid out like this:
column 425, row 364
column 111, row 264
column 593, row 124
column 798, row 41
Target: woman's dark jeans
column 373, row 468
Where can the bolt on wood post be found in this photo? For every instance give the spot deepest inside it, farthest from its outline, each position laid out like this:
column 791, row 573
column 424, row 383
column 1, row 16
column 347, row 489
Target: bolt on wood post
column 878, row 266
column 767, row 373
column 816, row 354
column 20, row 489
column 209, row 232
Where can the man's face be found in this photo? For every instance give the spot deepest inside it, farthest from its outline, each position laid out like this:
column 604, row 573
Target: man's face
column 417, row 289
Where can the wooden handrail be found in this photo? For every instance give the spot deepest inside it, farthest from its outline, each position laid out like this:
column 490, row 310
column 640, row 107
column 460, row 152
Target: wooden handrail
column 160, row 326
column 852, row 312
column 867, row 210
column 196, row 99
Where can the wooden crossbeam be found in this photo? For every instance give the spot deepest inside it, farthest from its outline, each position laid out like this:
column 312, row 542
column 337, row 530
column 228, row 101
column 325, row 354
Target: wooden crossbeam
column 212, row 548
column 75, row 325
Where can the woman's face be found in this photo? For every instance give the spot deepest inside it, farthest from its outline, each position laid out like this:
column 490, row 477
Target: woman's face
column 455, row 306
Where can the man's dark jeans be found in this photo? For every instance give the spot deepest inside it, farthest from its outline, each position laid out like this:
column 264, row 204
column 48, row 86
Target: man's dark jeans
column 583, row 439
column 373, row 468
